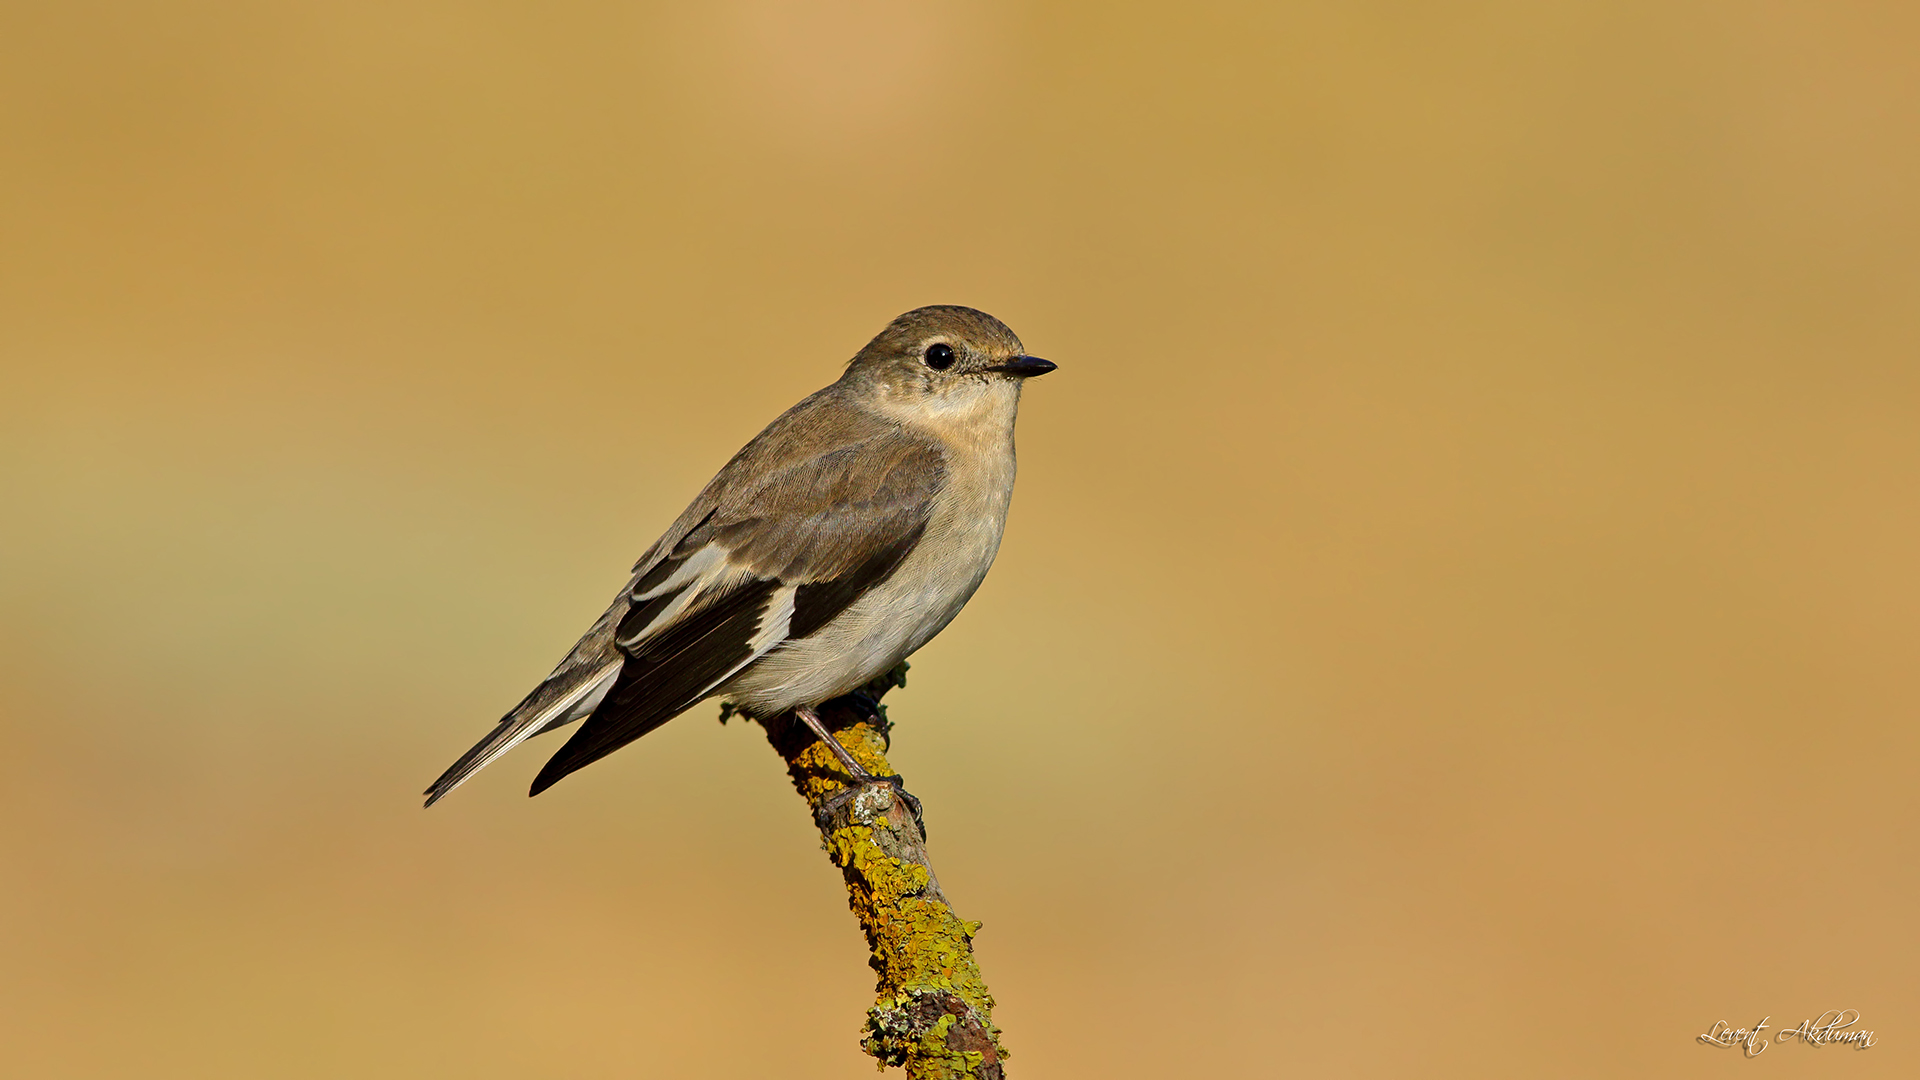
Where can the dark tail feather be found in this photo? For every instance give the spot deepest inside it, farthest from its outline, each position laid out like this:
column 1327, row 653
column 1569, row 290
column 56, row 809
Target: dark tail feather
column 469, row 762
column 552, row 703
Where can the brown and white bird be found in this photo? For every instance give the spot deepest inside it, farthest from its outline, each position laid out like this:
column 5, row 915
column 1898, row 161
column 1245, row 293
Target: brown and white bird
column 841, row 539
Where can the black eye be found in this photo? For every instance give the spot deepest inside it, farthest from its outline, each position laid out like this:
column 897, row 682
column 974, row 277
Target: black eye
column 940, row 357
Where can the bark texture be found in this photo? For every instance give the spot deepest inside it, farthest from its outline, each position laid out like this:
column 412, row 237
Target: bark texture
column 934, row 1015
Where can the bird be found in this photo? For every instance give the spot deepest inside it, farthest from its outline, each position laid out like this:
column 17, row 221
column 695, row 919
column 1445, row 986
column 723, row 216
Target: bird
column 838, row 541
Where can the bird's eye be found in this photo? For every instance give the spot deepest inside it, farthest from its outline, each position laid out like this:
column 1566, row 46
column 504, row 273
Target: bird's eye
column 940, row 357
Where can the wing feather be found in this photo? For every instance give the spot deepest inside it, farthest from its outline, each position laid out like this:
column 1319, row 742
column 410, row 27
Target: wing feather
column 668, row 673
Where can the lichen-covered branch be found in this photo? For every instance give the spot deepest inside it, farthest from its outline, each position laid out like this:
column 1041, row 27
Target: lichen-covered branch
column 934, row 1013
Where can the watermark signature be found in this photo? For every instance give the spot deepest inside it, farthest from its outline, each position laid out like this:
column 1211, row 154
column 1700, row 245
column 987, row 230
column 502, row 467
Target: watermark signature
column 1834, row 1026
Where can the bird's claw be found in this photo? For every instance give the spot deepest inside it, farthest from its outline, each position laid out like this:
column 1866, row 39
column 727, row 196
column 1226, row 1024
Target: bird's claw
column 894, row 783
column 899, row 786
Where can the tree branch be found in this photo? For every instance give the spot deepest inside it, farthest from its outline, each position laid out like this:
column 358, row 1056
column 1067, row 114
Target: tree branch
column 934, row 1013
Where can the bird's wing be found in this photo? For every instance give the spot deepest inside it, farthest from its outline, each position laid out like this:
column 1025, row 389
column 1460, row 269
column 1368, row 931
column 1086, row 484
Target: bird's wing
column 814, row 511
column 771, row 560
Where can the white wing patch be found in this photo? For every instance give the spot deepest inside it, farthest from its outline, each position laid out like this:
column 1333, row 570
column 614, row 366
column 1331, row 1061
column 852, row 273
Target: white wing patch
column 697, row 565
column 775, row 621
column 703, row 570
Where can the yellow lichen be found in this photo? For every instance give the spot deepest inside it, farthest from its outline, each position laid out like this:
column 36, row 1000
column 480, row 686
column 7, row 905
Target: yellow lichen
column 921, row 950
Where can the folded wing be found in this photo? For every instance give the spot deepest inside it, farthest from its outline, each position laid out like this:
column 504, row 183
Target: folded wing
column 767, row 562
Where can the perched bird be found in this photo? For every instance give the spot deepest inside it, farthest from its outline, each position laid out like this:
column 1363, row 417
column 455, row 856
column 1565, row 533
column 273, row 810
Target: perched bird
column 842, row 538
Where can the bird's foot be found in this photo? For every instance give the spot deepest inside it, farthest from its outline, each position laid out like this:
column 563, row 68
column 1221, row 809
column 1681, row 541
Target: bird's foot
column 856, row 772
column 899, row 786
column 856, row 785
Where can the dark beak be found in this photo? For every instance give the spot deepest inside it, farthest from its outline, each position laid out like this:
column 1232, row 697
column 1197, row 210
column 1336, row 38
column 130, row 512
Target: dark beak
column 1025, row 367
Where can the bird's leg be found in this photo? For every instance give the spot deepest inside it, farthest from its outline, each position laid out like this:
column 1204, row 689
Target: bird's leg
column 854, row 768
column 857, row 771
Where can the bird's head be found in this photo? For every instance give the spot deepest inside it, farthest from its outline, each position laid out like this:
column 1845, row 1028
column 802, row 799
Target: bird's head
column 943, row 359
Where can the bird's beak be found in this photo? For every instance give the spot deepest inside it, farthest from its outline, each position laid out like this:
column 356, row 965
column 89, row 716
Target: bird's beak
column 1025, row 367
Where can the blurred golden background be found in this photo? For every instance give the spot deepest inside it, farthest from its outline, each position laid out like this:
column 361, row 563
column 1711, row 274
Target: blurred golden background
column 1458, row 616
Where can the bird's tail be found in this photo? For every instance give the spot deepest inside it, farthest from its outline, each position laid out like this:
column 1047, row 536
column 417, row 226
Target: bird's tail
column 566, row 696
